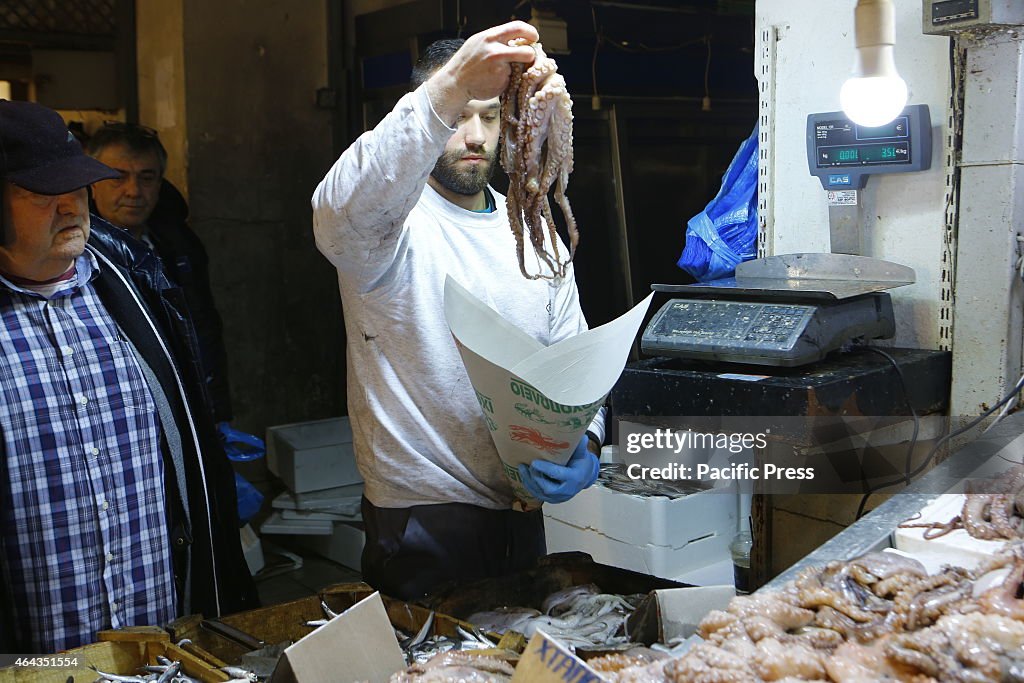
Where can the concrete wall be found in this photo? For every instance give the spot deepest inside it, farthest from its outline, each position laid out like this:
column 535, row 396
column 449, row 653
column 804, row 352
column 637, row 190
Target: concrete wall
column 160, row 61
column 805, row 53
column 257, row 146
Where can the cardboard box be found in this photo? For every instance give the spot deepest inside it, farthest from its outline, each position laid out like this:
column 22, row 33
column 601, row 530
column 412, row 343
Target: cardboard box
column 313, row 456
column 357, row 645
column 666, row 537
column 674, row 613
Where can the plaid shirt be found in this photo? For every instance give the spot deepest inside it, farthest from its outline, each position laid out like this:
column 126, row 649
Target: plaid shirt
column 83, row 524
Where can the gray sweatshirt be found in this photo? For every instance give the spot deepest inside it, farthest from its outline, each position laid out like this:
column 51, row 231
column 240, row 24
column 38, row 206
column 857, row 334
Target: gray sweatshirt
column 418, row 431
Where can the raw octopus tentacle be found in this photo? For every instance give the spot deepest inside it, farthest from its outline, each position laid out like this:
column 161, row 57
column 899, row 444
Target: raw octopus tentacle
column 536, row 134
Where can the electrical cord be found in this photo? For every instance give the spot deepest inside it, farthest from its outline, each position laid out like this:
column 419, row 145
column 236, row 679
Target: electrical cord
column 913, row 438
column 1002, row 413
column 938, row 444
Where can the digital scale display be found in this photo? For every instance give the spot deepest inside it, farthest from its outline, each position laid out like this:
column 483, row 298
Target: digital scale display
column 843, row 154
column 892, row 153
column 846, row 144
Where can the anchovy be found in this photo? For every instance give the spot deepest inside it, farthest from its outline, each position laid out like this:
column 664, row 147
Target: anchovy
column 117, row 678
column 327, row 610
column 172, row 671
column 408, row 644
column 240, row 673
column 613, row 476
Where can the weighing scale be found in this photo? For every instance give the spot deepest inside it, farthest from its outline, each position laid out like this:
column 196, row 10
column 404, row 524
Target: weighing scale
column 794, row 309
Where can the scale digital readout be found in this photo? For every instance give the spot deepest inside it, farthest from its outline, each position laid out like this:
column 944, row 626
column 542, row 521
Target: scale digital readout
column 843, row 154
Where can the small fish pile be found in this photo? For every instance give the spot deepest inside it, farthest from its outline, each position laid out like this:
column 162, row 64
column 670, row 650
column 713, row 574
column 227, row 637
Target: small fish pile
column 423, row 646
column 167, row 671
column 613, row 476
column 580, row 616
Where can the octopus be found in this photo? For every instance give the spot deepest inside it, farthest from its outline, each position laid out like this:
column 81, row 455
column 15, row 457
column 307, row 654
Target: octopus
column 880, row 617
column 989, row 515
column 536, row 139
column 610, row 666
column 964, row 647
column 457, row 667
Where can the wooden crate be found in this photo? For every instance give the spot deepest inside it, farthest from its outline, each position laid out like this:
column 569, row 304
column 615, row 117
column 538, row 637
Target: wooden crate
column 286, row 622
column 122, row 652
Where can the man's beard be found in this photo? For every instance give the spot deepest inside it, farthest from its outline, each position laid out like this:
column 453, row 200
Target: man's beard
column 466, row 182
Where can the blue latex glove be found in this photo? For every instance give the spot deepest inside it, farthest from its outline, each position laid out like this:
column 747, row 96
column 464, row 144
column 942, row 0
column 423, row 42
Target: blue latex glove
column 553, row 483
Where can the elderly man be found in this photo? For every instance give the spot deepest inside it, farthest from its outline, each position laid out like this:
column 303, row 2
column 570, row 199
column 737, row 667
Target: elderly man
column 116, row 501
column 142, row 202
column 404, row 207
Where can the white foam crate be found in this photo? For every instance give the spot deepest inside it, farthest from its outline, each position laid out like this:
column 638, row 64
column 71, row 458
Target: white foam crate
column 276, row 524
column 313, row 456
column 344, row 545
column 654, row 535
column 661, row 561
column 957, row 547
column 654, row 520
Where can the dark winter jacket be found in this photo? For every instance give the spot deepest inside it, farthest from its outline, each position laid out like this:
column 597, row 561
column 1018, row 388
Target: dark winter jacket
column 151, row 311
column 187, row 266
column 220, row 578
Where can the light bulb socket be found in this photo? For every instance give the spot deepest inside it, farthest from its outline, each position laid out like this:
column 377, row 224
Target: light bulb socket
column 874, row 23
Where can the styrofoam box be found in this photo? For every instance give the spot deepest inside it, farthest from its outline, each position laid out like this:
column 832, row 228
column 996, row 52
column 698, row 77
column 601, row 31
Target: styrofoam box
column 655, row 535
column 312, row 456
column 344, row 545
column 276, row 524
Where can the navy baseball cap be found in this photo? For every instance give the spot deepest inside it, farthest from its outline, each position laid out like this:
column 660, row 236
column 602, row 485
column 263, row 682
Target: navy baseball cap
column 39, row 153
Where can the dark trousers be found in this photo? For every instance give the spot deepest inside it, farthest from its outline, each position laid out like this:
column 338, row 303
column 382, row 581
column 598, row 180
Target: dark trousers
column 411, row 551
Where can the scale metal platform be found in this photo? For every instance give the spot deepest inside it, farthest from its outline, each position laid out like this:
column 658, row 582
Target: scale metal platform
column 781, row 310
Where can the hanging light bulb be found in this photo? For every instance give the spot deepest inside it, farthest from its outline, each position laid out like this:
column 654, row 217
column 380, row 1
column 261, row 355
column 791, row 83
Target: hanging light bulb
column 875, row 94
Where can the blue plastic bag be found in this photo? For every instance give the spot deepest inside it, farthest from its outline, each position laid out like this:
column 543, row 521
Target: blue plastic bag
column 725, row 233
column 249, row 498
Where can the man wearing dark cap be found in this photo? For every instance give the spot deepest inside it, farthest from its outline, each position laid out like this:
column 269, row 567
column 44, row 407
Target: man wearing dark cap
column 117, row 504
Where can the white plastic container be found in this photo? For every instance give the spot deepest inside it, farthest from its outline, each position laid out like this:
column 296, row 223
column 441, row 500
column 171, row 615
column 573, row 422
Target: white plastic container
column 659, row 536
column 313, row 456
column 344, row 545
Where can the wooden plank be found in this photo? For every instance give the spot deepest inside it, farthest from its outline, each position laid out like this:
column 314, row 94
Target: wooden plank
column 136, row 634
column 118, row 651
